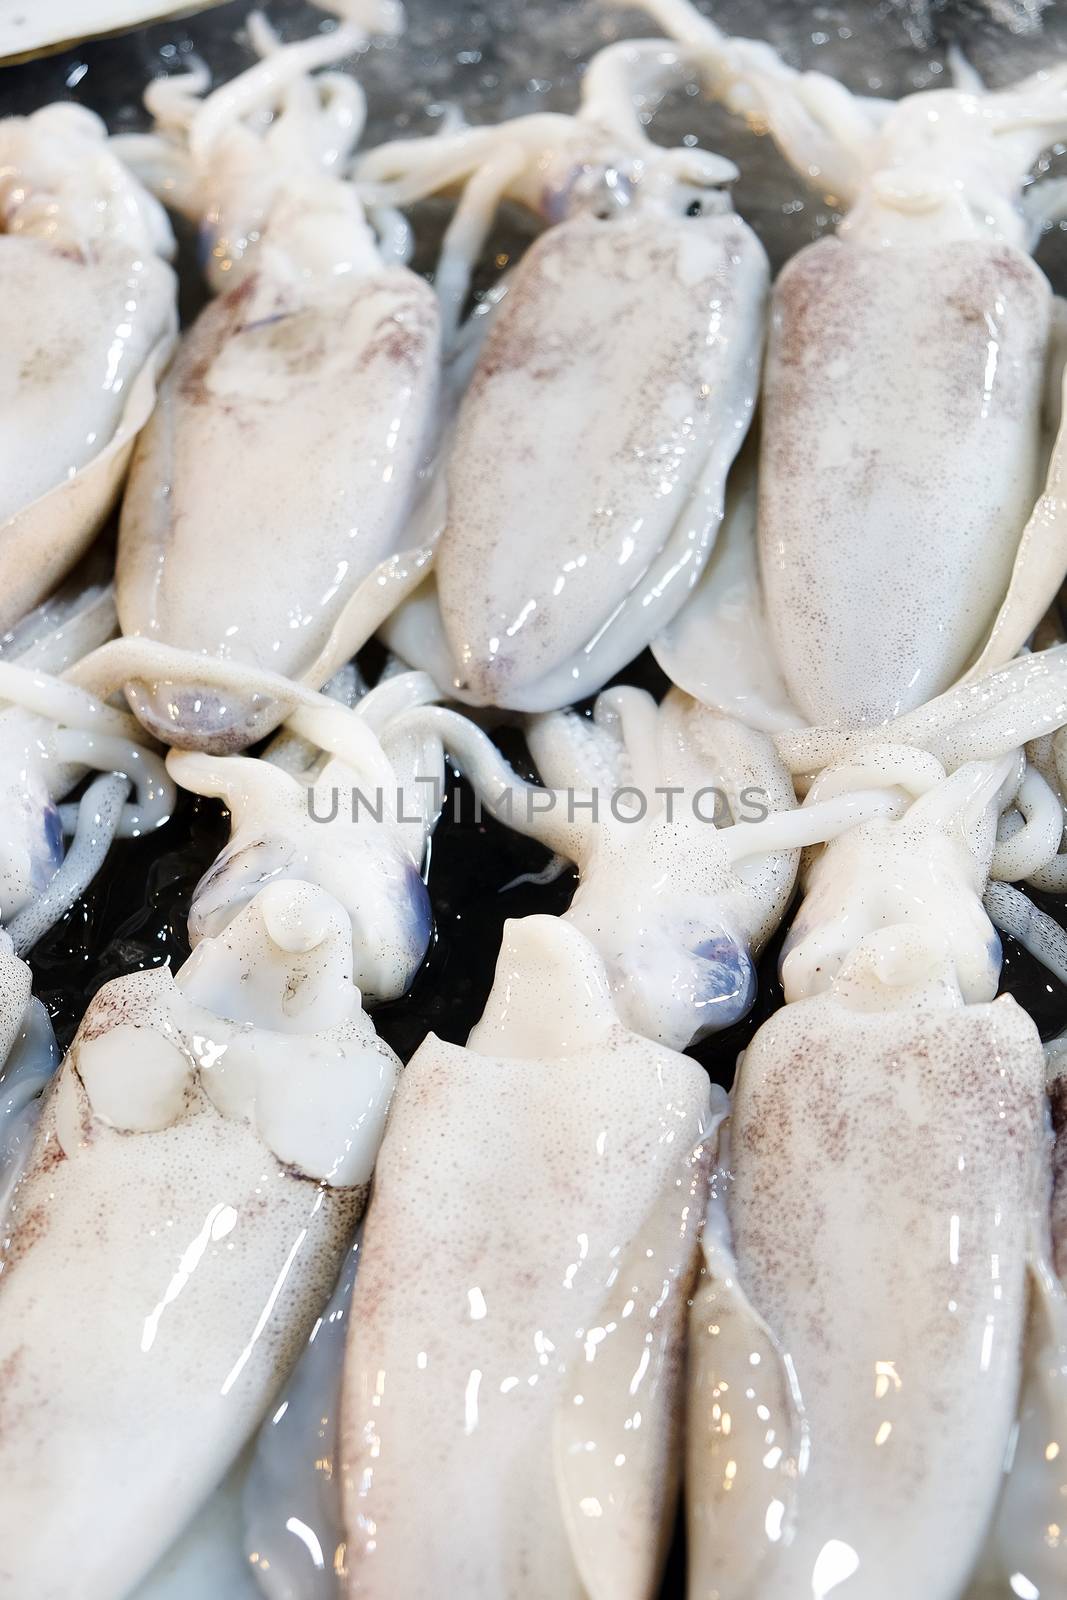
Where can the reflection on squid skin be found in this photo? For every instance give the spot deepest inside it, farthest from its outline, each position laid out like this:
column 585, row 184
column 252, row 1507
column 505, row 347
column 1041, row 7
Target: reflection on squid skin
column 557, row 568
column 291, row 1499
column 630, row 529
column 514, row 1345
column 856, row 1341
column 1026, row 1554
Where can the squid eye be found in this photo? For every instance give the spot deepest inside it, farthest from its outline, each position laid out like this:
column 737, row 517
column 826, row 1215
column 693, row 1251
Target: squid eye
column 420, row 913
column 46, row 852
column 201, row 718
column 53, row 836
column 695, row 208
column 724, row 984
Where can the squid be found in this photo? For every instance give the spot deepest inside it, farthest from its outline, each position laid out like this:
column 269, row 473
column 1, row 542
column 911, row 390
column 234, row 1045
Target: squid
column 203, row 1156
column 911, row 383
column 853, row 1401
column 89, row 321
column 533, row 1363
column 682, row 825
column 51, row 24
column 51, row 735
column 294, row 427
column 28, row 1058
column 1026, row 1553
column 565, row 547
column 518, row 1347
column 292, row 1493
column 356, row 819
column 289, row 1495
column 690, row 886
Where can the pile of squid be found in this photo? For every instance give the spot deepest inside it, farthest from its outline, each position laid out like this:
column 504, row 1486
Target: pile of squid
column 283, row 1316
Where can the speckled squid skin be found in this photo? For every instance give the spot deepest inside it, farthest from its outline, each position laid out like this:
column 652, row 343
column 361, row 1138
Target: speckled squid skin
column 15, row 989
column 887, row 1167
column 289, row 439
column 899, row 463
column 164, row 1253
column 614, row 390
column 87, row 321
column 1057, row 1093
column 529, row 1214
column 68, row 364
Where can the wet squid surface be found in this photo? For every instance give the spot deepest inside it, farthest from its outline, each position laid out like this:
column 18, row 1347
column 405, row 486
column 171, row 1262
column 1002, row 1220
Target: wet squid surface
column 517, row 59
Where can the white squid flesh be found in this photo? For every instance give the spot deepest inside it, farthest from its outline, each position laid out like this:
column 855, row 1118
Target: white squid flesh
column 902, row 445
column 516, row 1348
column 87, row 324
column 585, row 469
column 294, row 426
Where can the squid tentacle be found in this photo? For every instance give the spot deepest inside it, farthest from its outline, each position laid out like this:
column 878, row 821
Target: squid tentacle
column 99, row 817
column 1015, row 914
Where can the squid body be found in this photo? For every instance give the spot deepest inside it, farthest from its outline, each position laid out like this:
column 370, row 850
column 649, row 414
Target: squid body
column 88, row 322
column 51, row 734
column 903, row 440
column 197, row 1171
column 858, row 1340
column 566, row 544
column 300, row 412
column 518, row 1346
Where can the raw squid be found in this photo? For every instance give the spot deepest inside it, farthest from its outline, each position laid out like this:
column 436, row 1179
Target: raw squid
column 857, row 1344
column 201, row 1161
column 355, row 820
column 901, row 448
column 514, row 1347
column 295, row 423
column 291, row 1493
column 1026, row 1555
column 28, row 1058
column 27, row 30
column 531, row 1365
column 87, row 324
column 676, row 901
column 194, row 1179
column 49, row 24
column 585, row 468
column 852, row 1401
column 50, row 734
